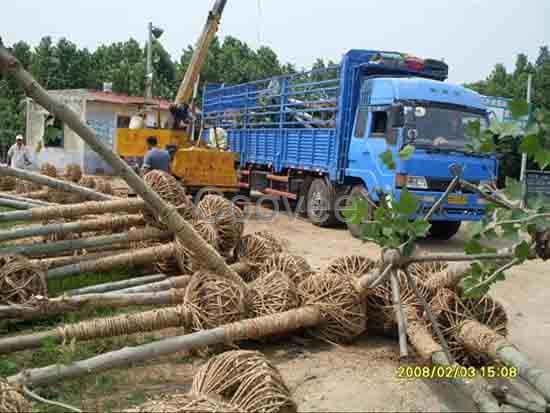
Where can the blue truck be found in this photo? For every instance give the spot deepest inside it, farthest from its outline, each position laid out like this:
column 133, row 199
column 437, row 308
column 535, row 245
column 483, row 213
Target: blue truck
column 317, row 135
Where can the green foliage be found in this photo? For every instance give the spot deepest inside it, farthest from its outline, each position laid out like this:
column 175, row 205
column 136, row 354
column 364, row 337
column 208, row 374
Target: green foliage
column 387, row 158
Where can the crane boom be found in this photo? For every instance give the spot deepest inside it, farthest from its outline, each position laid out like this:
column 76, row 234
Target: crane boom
column 185, row 90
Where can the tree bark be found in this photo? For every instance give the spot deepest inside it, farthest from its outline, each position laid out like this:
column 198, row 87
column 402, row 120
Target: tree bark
column 247, row 329
column 45, row 306
column 50, row 263
column 142, row 234
column 74, row 211
column 481, row 339
column 173, row 283
column 12, row 203
column 118, row 223
column 167, row 214
column 118, row 286
column 25, row 199
column 54, row 183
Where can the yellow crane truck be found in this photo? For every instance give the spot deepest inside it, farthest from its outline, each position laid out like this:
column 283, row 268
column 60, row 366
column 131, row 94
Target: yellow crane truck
column 196, row 165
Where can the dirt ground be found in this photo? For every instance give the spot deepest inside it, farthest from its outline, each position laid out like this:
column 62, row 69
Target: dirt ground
column 362, row 377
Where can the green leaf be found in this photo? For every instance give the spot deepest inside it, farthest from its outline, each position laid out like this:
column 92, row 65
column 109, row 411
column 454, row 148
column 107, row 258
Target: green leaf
column 355, row 212
column 407, row 204
column 530, row 145
column 387, row 158
column 543, row 159
column 407, row 152
column 408, row 248
column 370, row 231
column 503, row 129
column 513, row 189
column 421, row 228
column 387, row 231
column 476, row 229
column 490, row 234
column 473, row 247
column 522, row 251
column 519, row 108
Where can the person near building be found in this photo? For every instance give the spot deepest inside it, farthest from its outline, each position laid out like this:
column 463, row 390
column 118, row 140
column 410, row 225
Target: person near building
column 155, row 158
column 18, row 155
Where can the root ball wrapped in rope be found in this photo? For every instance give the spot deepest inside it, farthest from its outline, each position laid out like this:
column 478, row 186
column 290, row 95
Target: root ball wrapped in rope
column 11, row 401
column 245, row 379
column 24, row 187
column 354, row 265
column 20, row 280
column 171, row 191
column 340, row 300
column 184, row 257
column 103, row 186
column 184, row 403
column 295, row 267
column 49, row 170
column 227, row 218
column 453, row 310
column 73, row 172
column 255, row 250
column 272, row 293
column 87, row 181
column 7, row 183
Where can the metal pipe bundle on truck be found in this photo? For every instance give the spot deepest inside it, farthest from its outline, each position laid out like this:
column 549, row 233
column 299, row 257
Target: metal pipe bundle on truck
column 313, row 136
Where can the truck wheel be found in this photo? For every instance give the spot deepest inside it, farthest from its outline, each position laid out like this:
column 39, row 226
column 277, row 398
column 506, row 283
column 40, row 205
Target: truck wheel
column 319, row 208
column 444, row 230
column 358, row 192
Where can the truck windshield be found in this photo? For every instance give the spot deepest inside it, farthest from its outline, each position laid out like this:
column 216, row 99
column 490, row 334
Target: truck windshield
column 444, row 128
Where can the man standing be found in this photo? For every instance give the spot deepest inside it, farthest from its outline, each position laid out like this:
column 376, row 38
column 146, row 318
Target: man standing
column 155, row 158
column 18, row 154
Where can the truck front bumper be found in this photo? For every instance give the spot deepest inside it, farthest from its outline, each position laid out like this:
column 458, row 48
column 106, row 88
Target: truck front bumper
column 457, row 207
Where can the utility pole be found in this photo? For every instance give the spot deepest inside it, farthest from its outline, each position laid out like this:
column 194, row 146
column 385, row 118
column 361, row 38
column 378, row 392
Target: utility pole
column 149, row 70
column 524, row 156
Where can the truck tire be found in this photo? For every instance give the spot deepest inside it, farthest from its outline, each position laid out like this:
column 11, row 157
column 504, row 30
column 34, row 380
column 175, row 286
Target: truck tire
column 319, row 209
column 358, row 192
column 444, row 230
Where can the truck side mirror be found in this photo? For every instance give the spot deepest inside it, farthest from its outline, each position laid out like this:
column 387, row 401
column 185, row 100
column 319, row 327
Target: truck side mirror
column 397, row 116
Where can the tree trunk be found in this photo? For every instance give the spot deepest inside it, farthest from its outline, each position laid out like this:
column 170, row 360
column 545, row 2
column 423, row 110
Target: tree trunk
column 12, row 203
column 242, row 330
column 448, row 278
column 167, row 214
column 173, row 283
column 118, row 285
column 74, row 211
column 114, row 224
column 50, row 263
column 423, row 343
column 25, row 199
column 41, row 195
column 54, row 183
column 481, row 339
column 142, row 234
column 130, row 258
column 46, row 307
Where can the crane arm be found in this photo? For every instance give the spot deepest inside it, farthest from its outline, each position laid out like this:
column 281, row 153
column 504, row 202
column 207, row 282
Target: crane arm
column 185, row 90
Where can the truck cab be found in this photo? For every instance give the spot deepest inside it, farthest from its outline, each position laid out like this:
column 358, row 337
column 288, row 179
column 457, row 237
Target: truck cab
column 397, row 110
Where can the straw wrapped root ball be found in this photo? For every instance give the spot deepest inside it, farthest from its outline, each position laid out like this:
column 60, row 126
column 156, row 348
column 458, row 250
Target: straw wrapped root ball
column 11, row 401
column 226, row 216
column 171, row 191
column 73, row 172
column 58, row 236
column 272, row 293
column 245, row 379
column 184, row 403
column 453, row 310
column 103, row 186
column 87, row 181
column 293, row 266
column 20, row 280
column 49, row 170
column 24, row 187
column 255, row 250
column 7, row 183
column 214, row 301
column 354, row 265
column 341, row 303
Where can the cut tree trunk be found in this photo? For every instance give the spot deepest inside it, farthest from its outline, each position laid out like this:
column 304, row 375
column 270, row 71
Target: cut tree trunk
column 46, row 307
column 166, row 213
column 481, row 339
column 41, row 195
column 12, row 203
column 54, row 183
column 173, row 283
column 50, row 263
column 118, row 223
column 118, row 285
column 142, row 234
column 74, row 211
column 25, row 199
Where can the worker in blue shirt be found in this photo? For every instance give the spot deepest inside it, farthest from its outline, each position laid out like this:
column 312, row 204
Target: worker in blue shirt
column 155, row 158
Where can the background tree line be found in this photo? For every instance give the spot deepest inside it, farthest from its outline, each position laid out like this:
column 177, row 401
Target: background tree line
column 63, row 65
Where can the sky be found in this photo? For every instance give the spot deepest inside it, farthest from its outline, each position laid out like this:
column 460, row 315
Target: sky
column 470, row 35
